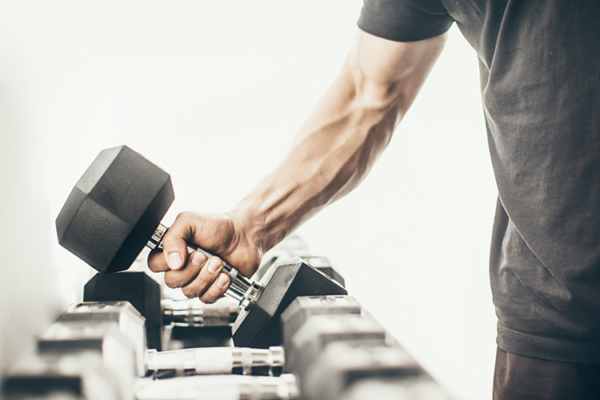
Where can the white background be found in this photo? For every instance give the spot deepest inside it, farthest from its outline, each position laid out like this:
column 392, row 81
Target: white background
column 213, row 91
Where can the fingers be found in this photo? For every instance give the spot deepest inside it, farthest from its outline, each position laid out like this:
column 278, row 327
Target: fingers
column 217, row 290
column 175, row 253
column 181, row 277
column 157, row 261
column 175, row 249
column 209, row 285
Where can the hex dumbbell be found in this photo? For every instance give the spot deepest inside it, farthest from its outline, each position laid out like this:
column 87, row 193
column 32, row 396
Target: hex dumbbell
column 320, row 263
column 340, row 351
column 221, row 387
column 115, row 209
column 294, row 246
column 418, row 387
column 102, row 337
column 144, row 293
column 304, row 307
column 76, row 376
column 321, row 330
column 342, row 364
column 87, row 325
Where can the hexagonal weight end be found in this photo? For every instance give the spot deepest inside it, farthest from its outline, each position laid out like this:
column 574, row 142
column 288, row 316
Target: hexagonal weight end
column 137, row 288
column 304, row 307
column 114, row 209
column 259, row 326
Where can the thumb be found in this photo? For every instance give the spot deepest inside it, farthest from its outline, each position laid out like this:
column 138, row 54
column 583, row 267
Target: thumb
column 175, row 247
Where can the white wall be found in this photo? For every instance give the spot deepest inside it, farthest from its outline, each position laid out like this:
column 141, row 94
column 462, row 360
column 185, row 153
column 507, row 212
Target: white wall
column 213, row 91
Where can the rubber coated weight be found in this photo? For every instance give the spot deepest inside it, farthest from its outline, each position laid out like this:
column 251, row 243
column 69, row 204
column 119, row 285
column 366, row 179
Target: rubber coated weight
column 102, row 337
column 259, row 326
column 420, row 387
column 341, row 364
column 114, row 209
column 129, row 321
column 304, row 307
column 137, row 288
column 324, row 265
column 320, row 330
column 318, row 262
column 143, row 292
column 80, row 376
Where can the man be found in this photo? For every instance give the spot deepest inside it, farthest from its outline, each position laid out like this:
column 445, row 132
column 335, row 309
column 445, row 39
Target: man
column 540, row 80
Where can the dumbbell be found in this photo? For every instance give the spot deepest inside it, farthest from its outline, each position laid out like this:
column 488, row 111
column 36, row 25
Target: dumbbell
column 84, row 322
column 77, row 376
column 320, row 330
column 115, row 209
column 102, row 337
column 320, row 263
column 419, row 387
column 311, row 324
column 144, row 293
column 294, row 246
column 342, row 364
column 304, row 307
column 221, row 387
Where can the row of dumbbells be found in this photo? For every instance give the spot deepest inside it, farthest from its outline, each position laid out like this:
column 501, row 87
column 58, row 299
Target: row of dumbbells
column 106, row 324
column 337, row 350
column 97, row 350
column 333, row 349
column 194, row 324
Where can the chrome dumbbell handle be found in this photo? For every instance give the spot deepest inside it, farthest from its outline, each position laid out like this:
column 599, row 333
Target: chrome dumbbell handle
column 240, row 289
column 186, row 313
column 212, row 360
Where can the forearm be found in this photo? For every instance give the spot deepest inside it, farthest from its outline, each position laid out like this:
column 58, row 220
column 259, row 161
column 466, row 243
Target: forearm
column 332, row 153
column 342, row 138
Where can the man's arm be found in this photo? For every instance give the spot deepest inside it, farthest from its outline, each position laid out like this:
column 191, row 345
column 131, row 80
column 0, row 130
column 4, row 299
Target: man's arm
column 332, row 153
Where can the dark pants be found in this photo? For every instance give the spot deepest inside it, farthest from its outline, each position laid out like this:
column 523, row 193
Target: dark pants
column 525, row 378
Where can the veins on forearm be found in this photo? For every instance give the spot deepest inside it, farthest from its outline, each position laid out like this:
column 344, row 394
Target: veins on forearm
column 328, row 161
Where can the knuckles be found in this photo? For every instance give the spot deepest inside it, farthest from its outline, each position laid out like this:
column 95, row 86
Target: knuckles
column 170, row 282
column 188, row 292
column 183, row 217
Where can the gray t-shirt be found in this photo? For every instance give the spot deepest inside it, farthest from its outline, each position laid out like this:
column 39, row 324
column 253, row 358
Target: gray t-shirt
column 540, row 84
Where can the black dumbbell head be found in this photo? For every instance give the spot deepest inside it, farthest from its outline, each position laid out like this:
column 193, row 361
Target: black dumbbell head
column 344, row 363
column 114, row 209
column 259, row 326
column 138, row 289
column 318, row 262
column 320, row 330
column 404, row 388
column 322, row 264
column 304, row 307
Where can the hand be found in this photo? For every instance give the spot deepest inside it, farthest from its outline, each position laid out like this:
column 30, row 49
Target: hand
column 222, row 234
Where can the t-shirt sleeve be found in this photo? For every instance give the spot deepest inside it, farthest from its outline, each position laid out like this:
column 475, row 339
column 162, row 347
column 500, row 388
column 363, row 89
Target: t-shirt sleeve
column 404, row 20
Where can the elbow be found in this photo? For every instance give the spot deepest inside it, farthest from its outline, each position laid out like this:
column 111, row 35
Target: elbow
column 379, row 96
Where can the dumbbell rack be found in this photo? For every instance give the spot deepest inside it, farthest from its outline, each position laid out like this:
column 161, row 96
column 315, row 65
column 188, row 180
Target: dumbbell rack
column 332, row 348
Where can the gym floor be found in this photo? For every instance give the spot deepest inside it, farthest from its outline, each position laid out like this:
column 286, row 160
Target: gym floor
column 213, row 92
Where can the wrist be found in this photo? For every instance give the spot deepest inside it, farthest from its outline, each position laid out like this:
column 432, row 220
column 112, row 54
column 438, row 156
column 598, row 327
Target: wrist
column 251, row 229
column 265, row 220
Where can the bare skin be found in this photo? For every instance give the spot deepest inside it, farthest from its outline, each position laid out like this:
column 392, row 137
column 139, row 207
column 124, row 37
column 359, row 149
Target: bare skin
column 332, row 153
